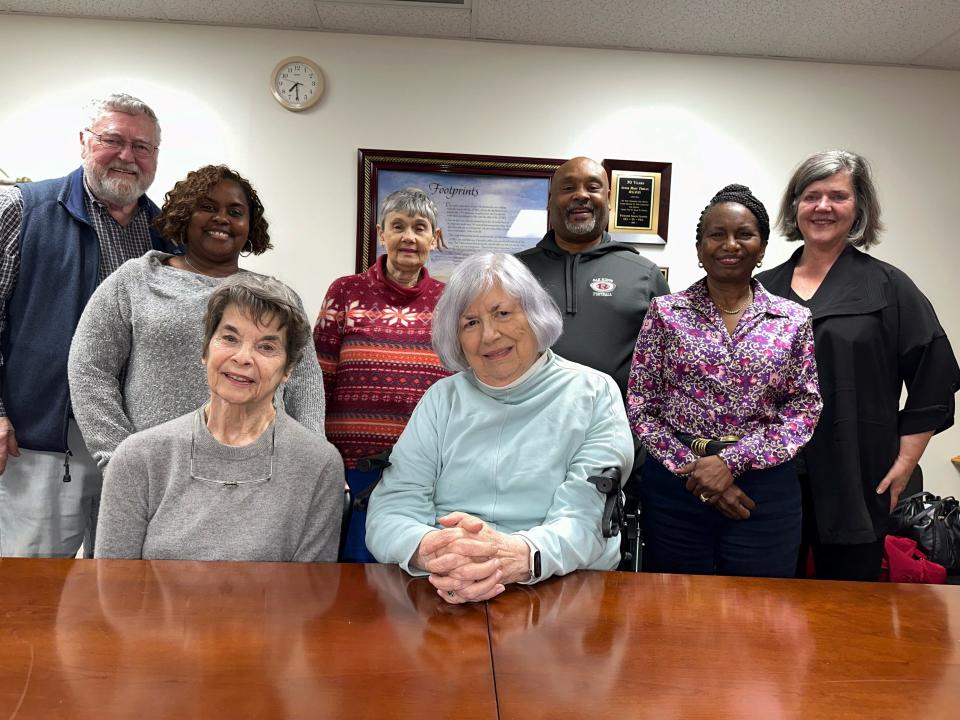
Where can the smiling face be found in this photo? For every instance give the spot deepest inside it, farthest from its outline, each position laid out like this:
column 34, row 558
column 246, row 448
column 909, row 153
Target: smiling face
column 730, row 246
column 826, row 211
column 579, row 204
column 118, row 177
column 496, row 338
column 245, row 360
column 219, row 227
column 408, row 240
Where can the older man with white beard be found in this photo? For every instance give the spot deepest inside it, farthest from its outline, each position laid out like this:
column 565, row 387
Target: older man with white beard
column 58, row 240
column 603, row 288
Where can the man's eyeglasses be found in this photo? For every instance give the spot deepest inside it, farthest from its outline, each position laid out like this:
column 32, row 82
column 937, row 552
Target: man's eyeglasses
column 114, row 142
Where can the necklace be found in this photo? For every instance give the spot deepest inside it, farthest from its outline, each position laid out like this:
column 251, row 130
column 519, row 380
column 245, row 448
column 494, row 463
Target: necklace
column 735, row 310
column 186, row 259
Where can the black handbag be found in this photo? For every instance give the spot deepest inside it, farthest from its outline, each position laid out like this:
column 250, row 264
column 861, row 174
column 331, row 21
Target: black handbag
column 933, row 523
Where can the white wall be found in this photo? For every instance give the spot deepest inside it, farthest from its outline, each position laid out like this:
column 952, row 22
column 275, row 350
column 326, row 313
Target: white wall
column 718, row 120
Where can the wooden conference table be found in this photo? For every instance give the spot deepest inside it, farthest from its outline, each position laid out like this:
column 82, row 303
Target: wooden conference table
column 134, row 639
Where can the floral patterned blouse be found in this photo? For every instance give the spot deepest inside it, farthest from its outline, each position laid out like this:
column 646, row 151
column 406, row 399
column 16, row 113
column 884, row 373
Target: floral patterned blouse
column 690, row 375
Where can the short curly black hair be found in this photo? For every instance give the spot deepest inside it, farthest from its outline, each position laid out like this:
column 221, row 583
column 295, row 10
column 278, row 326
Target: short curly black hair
column 180, row 203
column 741, row 195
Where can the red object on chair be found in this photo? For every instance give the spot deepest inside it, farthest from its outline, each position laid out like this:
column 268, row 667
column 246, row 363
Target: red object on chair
column 903, row 562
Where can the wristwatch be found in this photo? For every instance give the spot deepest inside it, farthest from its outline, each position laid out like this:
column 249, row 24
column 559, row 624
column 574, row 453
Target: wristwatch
column 534, row 562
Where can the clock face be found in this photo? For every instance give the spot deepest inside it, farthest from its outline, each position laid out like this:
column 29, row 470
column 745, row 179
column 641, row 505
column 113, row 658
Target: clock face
column 297, row 83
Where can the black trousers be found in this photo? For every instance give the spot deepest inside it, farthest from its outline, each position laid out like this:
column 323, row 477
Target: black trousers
column 859, row 561
column 684, row 535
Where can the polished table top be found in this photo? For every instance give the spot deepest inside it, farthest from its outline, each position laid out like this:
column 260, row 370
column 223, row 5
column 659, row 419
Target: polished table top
column 139, row 639
column 673, row 646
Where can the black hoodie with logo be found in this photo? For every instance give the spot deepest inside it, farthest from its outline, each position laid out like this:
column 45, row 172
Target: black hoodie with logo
column 603, row 294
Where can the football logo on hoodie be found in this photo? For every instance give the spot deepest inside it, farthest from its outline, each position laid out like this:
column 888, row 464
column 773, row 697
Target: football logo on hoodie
column 603, row 287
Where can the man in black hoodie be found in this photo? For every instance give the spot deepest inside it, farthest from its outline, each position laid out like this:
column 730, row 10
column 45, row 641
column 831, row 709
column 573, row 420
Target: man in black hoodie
column 603, row 288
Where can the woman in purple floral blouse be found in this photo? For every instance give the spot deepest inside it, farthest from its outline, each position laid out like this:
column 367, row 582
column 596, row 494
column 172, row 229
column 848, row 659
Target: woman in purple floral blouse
column 723, row 393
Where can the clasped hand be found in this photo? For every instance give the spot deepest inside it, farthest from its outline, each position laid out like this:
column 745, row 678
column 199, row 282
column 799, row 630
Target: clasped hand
column 709, row 479
column 468, row 561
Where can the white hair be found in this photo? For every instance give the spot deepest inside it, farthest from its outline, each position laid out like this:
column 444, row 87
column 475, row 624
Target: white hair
column 475, row 276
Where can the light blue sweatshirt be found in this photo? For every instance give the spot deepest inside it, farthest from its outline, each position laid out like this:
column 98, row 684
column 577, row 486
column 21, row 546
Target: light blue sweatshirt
column 518, row 458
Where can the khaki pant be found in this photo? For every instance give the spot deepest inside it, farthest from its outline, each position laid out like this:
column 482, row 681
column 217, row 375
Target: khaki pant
column 42, row 516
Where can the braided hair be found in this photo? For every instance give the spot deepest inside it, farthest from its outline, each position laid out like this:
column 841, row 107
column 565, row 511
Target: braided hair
column 741, row 195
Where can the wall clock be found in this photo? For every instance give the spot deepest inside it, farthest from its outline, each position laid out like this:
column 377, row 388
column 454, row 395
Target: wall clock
column 297, row 83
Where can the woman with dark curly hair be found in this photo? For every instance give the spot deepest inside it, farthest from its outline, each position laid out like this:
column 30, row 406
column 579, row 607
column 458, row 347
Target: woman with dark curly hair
column 135, row 359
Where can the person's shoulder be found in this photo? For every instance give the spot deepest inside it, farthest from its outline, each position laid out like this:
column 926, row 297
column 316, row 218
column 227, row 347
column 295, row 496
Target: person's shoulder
column 869, row 262
column 670, row 301
column 348, row 285
column 155, row 442
column 347, row 280
column 778, row 305
column 315, row 445
column 47, row 185
column 151, row 262
column 11, row 197
column 632, row 255
column 530, row 253
column 442, row 394
column 139, row 273
column 904, row 291
column 448, row 385
column 584, row 375
column 796, row 312
column 562, row 364
column 642, row 267
column 432, row 284
column 873, row 270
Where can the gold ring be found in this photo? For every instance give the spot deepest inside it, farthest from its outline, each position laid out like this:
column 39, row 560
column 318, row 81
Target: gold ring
column 704, row 498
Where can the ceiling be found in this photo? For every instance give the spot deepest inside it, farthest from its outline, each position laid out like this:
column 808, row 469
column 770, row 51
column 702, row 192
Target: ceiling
column 915, row 33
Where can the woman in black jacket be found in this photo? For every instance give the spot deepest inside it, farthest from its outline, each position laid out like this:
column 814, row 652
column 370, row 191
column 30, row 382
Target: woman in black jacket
column 874, row 332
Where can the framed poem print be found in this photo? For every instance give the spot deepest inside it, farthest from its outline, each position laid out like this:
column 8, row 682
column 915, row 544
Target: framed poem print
column 639, row 201
column 485, row 202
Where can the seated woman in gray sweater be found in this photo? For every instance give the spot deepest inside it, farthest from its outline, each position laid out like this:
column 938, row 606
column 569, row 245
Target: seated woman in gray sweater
column 238, row 478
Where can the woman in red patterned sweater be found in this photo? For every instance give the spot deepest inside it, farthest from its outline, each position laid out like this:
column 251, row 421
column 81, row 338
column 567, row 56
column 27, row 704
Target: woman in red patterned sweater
column 373, row 343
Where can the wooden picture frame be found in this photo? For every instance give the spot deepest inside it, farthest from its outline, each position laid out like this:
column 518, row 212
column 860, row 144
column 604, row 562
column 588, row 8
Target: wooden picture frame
column 479, row 197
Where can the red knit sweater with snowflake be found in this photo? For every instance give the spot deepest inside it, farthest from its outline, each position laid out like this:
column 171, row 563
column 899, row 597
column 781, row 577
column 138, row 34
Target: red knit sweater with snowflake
column 373, row 342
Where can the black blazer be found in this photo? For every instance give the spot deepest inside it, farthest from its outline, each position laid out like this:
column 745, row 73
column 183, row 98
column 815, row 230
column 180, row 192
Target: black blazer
column 874, row 332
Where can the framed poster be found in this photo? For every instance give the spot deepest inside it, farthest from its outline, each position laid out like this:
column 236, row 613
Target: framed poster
column 639, row 201
column 485, row 202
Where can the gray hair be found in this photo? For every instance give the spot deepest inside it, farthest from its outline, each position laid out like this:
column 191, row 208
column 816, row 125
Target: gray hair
column 123, row 103
column 819, row 166
column 261, row 297
column 475, row 276
column 409, row 201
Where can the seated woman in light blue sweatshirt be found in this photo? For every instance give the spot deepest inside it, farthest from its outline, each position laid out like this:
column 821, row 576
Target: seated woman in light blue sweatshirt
column 488, row 482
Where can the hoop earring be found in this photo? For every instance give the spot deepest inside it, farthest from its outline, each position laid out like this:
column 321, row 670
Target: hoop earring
column 247, row 253
column 699, row 264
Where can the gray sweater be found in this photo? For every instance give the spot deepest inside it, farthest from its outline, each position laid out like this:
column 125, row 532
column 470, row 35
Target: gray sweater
column 135, row 361
column 154, row 507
